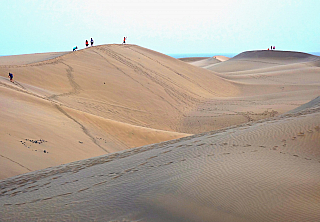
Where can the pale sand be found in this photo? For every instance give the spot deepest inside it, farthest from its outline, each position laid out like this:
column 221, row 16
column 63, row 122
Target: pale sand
column 204, row 62
column 263, row 171
column 111, row 98
column 96, row 101
column 29, row 58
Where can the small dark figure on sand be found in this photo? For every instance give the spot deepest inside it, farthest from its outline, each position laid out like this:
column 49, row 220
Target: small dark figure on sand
column 87, row 43
column 124, row 40
column 11, row 77
column 91, row 42
column 75, row 48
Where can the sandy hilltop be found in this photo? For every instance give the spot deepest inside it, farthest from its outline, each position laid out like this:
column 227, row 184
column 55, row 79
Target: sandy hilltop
column 146, row 137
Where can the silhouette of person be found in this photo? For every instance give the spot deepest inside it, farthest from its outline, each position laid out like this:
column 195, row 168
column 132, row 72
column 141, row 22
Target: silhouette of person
column 91, row 42
column 11, row 77
column 124, row 40
column 87, row 43
column 75, row 48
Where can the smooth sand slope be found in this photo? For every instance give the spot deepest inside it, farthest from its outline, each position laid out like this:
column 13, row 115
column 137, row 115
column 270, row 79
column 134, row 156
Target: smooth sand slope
column 271, row 83
column 263, row 171
column 65, row 107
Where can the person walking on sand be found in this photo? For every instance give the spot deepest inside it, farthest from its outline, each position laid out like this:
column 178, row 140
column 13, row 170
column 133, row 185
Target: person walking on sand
column 11, row 77
column 87, row 43
column 91, row 42
column 124, row 40
column 75, row 48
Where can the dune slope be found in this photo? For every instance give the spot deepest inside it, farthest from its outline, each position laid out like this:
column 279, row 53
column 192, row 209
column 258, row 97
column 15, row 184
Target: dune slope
column 263, row 171
column 65, row 107
column 270, row 83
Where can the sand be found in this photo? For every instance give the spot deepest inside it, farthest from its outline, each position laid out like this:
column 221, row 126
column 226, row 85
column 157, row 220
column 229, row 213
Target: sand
column 96, row 101
column 263, row 171
column 167, row 140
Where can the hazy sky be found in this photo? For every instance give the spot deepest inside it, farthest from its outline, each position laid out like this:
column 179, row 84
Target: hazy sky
column 166, row 26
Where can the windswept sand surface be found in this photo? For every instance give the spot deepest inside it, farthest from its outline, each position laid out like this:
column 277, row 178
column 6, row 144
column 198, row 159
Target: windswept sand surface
column 254, row 155
column 263, row 171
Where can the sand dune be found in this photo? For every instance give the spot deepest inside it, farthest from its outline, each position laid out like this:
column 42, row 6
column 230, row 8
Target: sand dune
column 95, row 101
column 263, row 171
column 262, row 59
column 204, row 62
column 254, row 155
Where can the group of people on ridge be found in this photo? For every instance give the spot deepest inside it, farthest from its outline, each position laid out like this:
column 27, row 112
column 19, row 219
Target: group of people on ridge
column 87, row 44
column 91, row 41
column 272, row 48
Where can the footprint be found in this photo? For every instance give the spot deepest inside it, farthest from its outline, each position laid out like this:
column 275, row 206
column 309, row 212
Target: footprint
column 141, row 164
column 83, row 189
column 152, row 157
column 300, row 134
column 295, row 155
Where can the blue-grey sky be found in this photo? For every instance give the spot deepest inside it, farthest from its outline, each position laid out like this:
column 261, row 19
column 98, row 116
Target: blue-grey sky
column 166, row 26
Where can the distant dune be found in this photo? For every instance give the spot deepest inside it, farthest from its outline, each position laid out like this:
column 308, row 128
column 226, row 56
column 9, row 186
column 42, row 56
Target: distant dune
column 146, row 137
column 29, row 58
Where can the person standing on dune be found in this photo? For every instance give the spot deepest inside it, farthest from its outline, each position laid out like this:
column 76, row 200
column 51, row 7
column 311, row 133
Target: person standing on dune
column 91, row 42
column 87, row 43
column 124, row 40
column 11, row 77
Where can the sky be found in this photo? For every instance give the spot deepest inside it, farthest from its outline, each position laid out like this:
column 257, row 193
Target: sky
column 166, row 26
